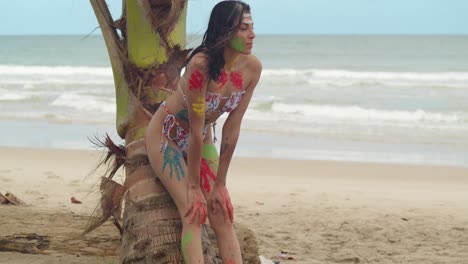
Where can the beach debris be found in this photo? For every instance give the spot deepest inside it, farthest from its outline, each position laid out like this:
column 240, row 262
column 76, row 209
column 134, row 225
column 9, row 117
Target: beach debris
column 259, row 203
column 74, row 200
column 24, row 243
column 109, row 205
column 3, row 200
column 10, row 199
column 264, row 260
column 286, row 255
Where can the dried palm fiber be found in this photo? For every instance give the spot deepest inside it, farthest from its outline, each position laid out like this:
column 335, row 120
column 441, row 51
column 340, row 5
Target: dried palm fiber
column 153, row 85
column 111, row 191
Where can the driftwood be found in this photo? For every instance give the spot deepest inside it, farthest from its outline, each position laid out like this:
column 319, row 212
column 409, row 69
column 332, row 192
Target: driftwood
column 10, row 199
column 24, row 243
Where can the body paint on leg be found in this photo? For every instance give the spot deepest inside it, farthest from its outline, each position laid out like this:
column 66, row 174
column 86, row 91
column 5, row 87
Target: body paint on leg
column 183, row 115
column 210, row 153
column 205, row 174
column 185, row 241
column 173, row 159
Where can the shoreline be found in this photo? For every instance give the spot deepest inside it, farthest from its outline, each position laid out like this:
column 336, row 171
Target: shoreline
column 251, row 144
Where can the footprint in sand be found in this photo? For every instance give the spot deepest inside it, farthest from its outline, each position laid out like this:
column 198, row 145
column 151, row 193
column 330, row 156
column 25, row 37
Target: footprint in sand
column 33, row 192
column 51, row 175
column 74, row 183
column 300, row 190
column 5, row 179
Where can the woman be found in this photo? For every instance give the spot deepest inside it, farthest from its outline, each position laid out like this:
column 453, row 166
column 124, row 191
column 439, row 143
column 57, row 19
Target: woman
column 220, row 76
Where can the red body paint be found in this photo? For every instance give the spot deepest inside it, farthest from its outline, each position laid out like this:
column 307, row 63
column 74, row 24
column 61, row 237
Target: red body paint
column 196, row 81
column 236, row 80
column 222, row 80
column 206, row 172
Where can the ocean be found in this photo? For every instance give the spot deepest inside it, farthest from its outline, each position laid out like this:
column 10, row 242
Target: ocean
column 386, row 99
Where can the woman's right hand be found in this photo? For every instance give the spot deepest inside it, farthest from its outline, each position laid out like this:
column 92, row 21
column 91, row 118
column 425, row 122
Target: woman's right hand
column 197, row 205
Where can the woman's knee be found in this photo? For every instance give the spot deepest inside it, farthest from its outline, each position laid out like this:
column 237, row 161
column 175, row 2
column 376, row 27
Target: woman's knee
column 218, row 224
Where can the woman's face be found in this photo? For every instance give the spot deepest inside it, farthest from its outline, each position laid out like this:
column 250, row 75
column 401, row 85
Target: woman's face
column 242, row 41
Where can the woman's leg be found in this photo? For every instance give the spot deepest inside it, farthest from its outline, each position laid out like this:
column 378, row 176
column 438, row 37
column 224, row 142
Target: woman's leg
column 171, row 169
column 225, row 234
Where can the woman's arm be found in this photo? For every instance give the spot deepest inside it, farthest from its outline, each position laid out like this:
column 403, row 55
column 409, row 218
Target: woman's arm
column 196, row 83
column 231, row 128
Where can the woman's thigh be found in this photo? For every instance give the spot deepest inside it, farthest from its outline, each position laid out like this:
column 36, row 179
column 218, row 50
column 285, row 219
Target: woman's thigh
column 168, row 163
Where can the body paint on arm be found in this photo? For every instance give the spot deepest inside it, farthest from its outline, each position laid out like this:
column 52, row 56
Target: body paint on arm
column 199, row 106
column 196, row 81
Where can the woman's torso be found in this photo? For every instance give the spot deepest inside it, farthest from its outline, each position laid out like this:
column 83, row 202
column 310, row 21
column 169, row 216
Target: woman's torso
column 223, row 95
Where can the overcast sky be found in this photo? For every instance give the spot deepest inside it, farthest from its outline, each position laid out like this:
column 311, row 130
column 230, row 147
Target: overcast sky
column 75, row 17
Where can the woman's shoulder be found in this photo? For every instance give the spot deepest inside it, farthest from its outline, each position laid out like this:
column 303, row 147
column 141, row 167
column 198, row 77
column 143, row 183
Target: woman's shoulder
column 199, row 60
column 253, row 63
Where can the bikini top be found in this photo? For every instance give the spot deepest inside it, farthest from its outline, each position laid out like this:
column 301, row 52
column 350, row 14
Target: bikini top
column 213, row 100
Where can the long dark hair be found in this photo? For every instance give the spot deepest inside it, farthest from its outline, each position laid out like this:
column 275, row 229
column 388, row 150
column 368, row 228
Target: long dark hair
column 225, row 20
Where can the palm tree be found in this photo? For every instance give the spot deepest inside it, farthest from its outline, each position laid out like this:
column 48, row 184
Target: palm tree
column 146, row 46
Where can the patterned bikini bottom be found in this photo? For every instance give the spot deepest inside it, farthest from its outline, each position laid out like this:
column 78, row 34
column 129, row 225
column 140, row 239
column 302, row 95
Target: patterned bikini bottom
column 180, row 136
column 181, row 139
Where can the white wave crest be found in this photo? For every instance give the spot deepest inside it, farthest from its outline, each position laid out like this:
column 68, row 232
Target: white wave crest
column 54, row 70
column 356, row 113
column 339, row 74
column 85, row 102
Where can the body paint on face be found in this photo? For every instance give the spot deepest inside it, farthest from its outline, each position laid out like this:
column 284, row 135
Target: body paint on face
column 205, row 174
column 238, row 44
column 196, row 81
column 173, row 158
column 247, row 19
column 183, row 115
column 236, row 80
column 185, row 241
column 199, row 106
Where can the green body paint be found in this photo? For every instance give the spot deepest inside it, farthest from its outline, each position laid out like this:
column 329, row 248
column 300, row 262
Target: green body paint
column 173, row 158
column 237, row 44
column 185, row 240
column 210, row 153
column 183, row 115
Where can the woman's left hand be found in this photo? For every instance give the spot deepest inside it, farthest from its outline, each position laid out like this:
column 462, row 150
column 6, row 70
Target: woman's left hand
column 219, row 199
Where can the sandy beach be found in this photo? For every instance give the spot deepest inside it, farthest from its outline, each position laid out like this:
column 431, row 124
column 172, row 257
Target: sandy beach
column 320, row 212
